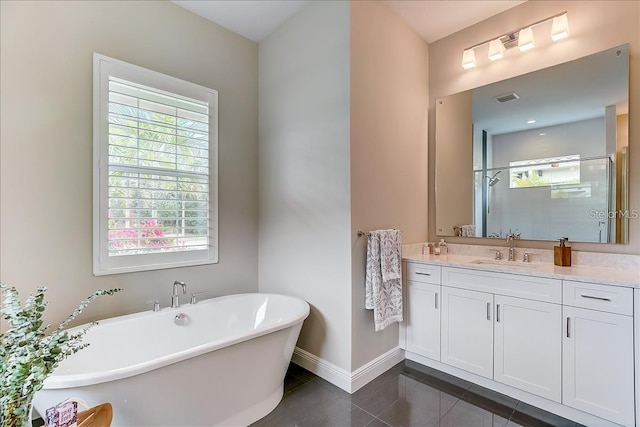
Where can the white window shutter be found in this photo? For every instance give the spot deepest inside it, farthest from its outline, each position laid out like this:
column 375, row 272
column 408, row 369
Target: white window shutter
column 157, row 204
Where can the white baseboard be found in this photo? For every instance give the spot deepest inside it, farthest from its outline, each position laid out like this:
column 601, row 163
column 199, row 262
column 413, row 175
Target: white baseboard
column 348, row 381
column 325, row 370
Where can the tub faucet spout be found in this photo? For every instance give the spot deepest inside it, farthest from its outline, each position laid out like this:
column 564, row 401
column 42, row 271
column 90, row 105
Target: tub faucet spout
column 174, row 297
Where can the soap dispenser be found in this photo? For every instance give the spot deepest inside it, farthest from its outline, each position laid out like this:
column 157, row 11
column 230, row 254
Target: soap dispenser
column 443, row 247
column 562, row 253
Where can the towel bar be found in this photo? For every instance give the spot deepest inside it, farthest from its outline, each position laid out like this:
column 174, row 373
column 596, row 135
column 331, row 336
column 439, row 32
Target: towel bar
column 363, row 233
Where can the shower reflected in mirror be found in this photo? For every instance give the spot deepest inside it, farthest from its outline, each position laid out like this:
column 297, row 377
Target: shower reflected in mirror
column 493, row 180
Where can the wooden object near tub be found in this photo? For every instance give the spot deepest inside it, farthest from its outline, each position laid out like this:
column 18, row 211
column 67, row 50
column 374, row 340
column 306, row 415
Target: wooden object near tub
column 98, row 416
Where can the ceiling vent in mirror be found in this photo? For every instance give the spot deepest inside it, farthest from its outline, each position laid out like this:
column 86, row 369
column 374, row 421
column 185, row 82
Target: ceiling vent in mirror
column 512, row 96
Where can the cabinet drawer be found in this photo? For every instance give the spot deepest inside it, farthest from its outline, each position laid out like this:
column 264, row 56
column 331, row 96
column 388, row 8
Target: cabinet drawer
column 520, row 286
column 425, row 273
column 612, row 299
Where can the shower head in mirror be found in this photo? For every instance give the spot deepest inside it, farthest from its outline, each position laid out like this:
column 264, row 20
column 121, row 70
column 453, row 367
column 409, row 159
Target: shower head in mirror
column 493, row 180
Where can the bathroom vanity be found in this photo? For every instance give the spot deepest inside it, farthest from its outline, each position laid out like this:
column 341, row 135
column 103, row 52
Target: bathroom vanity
column 560, row 338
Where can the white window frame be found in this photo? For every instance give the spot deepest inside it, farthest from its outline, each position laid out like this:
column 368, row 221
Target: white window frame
column 543, row 164
column 103, row 67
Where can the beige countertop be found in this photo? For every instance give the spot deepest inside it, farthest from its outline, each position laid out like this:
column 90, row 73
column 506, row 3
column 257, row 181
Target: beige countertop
column 603, row 275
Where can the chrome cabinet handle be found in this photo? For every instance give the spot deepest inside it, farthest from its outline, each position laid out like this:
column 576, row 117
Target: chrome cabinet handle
column 568, row 327
column 593, row 297
column 497, row 312
column 436, row 300
column 423, row 274
column 488, row 311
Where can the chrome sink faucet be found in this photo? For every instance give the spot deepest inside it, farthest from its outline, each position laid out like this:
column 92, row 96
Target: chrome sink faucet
column 511, row 242
column 174, row 297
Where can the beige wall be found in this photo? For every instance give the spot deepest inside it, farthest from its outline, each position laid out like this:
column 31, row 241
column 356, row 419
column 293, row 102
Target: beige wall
column 342, row 148
column 304, row 173
column 594, row 26
column 46, row 144
column 389, row 104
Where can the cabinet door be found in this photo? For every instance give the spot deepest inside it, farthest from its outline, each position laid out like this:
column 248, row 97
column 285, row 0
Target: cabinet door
column 528, row 346
column 423, row 319
column 598, row 364
column 467, row 330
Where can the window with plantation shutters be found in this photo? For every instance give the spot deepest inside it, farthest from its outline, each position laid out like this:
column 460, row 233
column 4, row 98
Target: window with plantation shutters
column 155, row 145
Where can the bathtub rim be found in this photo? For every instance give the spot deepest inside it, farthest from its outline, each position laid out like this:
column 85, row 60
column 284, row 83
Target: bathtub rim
column 62, row 381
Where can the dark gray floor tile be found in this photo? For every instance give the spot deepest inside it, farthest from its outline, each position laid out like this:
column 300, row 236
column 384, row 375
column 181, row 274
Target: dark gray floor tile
column 527, row 415
column 278, row 418
column 412, row 369
column 465, row 414
column 295, row 377
column 421, row 406
column 337, row 415
column 394, row 390
column 490, row 400
column 447, row 383
column 333, row 389
column 409, row 394
column 379, row 383
column 413, row 366
column 300, row 372
column 306, row 400
column 377, row 422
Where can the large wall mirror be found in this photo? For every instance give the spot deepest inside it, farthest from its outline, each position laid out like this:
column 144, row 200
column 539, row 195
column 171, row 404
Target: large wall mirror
column 543, row 155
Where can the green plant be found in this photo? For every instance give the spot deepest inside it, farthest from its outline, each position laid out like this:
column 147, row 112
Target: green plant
column 29, row 352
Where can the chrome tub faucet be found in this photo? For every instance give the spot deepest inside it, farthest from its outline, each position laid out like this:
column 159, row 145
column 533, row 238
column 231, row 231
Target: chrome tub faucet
column 175, row 302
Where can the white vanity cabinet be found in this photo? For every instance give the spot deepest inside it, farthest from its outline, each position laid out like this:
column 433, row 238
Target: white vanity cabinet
column 467, row 330
column 512, row 340
column 423, row 310
column 528, row 346
column 598, row 368
column 568, row 344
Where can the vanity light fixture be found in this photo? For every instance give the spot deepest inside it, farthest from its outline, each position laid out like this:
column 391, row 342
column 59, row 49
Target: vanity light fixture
column 522, row 37
column 560, row 27
column 496, row 50
column 525, row 39
column 468, row 59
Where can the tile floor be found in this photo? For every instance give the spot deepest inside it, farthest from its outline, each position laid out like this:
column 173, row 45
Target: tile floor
column 409, row 394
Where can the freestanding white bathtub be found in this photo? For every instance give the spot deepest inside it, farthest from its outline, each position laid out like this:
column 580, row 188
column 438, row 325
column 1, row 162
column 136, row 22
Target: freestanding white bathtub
column 226, row 366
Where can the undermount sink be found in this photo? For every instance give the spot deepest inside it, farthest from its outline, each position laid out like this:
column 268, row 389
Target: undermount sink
column 504, row 263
